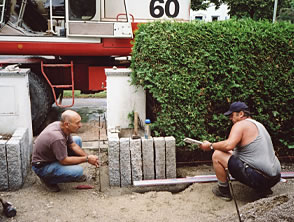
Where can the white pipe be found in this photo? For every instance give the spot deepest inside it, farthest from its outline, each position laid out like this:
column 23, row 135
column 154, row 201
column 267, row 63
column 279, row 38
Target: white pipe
column 275, row 11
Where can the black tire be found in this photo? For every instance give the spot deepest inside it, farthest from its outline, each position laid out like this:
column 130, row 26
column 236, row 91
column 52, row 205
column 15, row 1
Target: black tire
column 41, row 100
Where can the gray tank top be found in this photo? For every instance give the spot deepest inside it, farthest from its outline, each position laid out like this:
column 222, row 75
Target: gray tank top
column 260, row 153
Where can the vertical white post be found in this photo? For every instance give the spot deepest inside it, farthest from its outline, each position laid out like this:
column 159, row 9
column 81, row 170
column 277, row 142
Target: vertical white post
column 275, row 11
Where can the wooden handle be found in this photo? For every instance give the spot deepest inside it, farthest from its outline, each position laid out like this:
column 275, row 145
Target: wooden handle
column 135, row 123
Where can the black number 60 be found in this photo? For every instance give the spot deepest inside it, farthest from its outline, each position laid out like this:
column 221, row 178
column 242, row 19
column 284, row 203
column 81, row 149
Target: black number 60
column 158, row 11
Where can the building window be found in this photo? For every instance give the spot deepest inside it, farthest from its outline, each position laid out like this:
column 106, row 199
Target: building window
column 81, row 10
column 198, row 18
column 214, row 18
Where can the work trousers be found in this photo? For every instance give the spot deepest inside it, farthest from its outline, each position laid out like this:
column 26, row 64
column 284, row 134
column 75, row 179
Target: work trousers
column 54, row 173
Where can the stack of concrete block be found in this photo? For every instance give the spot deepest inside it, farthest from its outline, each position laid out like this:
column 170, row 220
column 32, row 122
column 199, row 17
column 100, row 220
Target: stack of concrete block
column 14, row 160
column 140, row 159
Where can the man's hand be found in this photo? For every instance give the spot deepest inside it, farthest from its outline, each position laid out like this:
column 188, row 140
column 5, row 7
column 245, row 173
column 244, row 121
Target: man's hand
column 93, row 159
column 205, row 145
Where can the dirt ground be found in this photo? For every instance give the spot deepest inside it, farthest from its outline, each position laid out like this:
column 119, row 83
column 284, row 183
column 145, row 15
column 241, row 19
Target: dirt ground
column 103, row 203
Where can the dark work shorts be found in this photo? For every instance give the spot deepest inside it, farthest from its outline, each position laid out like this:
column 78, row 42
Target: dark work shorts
column 250, row 176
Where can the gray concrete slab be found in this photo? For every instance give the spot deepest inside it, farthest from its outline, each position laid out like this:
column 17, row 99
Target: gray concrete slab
column 170, row 147
column 3, row 166
column 15, row 180
column 22, row 135
column 159, row 147
column 136, row 159
column 125, row 162
column 148, row 159
column 114, row 161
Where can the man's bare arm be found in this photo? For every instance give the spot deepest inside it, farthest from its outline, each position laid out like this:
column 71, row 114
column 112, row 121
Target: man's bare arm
column 229, row 144
column 73, row 160
column 77, row 149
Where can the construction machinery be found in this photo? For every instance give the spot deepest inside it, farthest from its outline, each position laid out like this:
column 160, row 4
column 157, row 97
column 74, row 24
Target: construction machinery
column 67, row 44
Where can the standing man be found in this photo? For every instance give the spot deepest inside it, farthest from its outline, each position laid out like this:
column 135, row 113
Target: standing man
column 248, row 154
column 56, row 154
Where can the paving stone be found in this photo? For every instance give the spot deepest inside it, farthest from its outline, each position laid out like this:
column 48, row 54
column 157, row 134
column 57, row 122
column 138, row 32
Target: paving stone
column 15, row 180
column 159, row 147
column 136, row 159
column 170, row 147
column 113, row 161
column 22, row 134
column 148, row 159
column 3, row 166
column 125, row 162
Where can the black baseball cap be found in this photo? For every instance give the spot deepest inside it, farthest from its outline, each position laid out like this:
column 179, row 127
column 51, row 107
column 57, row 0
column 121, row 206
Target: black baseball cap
column 236, row 107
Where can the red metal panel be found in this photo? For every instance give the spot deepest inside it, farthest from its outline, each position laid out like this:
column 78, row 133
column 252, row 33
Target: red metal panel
column 81, row 76
column 97, row 78
column 108, row 47
column 112, row 47
column 117, row 43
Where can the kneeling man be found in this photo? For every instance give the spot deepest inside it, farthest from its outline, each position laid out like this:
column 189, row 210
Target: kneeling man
column 56, row 154
column 248, row 154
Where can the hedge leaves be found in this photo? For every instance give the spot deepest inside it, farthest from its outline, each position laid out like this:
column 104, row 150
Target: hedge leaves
column 193, row 71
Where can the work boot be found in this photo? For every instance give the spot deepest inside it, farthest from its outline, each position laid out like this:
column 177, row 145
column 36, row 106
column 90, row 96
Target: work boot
column 50, row 187
column 83, row 178
column 264, row 193
column 222, row 192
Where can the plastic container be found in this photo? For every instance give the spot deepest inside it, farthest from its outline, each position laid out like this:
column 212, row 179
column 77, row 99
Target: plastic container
column 147, row 129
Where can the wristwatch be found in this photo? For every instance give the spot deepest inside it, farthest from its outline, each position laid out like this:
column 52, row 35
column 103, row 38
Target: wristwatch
column 87, row 159
column 211, row 147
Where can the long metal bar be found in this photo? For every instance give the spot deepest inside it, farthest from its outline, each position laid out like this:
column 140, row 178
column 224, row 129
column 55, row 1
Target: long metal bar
column 21, row 12
column 3, row 10
column 51, row 17
column 57, row 65
column 99, row 154
column 128, row 16
column 196, row 179
column 233, row 194
column 62, row 86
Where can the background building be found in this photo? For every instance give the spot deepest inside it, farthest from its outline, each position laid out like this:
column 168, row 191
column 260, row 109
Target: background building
column 211, row 14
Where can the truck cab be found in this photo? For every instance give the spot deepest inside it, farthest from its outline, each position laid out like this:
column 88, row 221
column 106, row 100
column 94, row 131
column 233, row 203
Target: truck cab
column 80, row 19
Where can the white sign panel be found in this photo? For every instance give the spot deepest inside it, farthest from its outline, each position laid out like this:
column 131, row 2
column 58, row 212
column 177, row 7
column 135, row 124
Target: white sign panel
column 149, row 9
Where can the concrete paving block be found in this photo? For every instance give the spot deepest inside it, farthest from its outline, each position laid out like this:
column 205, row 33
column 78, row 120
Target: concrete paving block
column 94, row 146
column 159, row 147
column 113, row 161
column 15, row 180
column 125, row 162
column 136, row 159
column 22, row 134
column 170, row 147
column 148, row 159
column 90, row 145
column 3, row 166
column 103, row 146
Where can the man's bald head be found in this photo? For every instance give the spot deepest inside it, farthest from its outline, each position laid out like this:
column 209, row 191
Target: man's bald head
column 68, row 116
column 70, row 122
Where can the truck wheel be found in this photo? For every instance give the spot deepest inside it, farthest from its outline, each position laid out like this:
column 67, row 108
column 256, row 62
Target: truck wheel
column 41, row 100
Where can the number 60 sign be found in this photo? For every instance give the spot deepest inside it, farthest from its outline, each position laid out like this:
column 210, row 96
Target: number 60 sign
column 159, row 8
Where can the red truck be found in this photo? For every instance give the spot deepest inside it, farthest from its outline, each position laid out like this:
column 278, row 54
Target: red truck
column 67, row 44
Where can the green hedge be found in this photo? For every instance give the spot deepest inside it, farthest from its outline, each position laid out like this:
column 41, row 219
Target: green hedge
column 195, row 70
